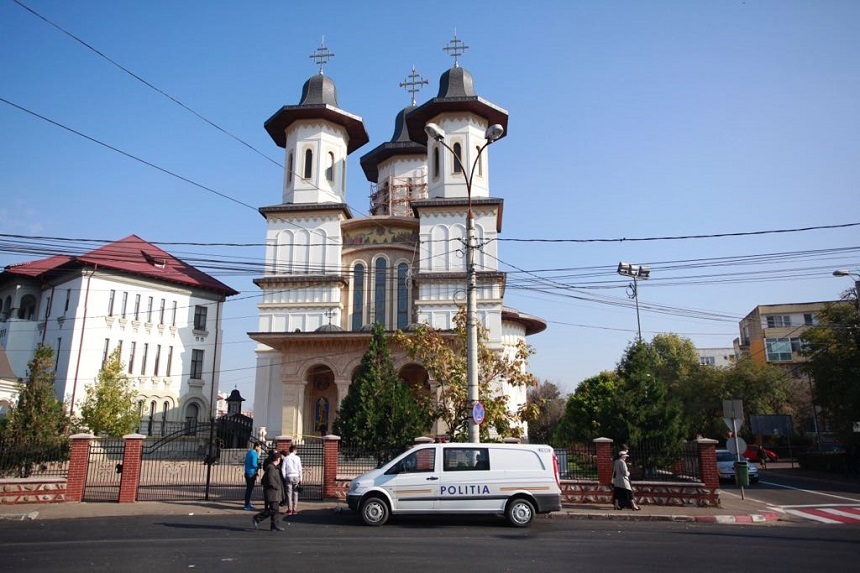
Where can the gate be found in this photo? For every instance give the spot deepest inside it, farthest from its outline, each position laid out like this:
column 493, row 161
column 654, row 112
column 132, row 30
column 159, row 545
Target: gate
column 189, row 465
column 103, row 469
column 310, row 451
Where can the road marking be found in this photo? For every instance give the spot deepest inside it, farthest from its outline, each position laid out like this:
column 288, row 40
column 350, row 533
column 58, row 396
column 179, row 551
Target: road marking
column 811, row 491
column 829, row 515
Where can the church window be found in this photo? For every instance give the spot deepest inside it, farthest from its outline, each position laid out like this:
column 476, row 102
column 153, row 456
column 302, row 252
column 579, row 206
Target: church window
column 329, row 172
column 379, row 291
column 480, row 161
column 357, row 296
column 402, row 296
column 436, row 162
column 309, row 160
column 290, row 167
column 458, row 153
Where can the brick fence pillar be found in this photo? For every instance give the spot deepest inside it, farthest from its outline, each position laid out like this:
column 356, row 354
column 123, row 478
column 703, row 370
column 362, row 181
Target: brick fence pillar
column 604, row 460
column 79, row 459
column 707, row 450
column 131, row 458
column 331, row 446
column 283, row 443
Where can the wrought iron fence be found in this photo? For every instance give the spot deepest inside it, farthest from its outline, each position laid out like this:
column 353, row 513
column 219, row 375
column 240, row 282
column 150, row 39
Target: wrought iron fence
column 21, row 458
column 354, row 460
column 654, row 460
column 577, row 462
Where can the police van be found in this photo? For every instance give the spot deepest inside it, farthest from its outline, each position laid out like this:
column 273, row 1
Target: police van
column 514, row 480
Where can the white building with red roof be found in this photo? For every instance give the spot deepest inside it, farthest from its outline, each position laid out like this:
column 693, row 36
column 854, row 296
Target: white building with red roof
column 163, row 314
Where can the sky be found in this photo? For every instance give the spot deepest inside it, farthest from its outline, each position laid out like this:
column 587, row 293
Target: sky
column 695, row 137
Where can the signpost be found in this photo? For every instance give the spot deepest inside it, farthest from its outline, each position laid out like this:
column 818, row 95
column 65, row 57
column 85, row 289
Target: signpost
column 478, row 413
column 733, row 416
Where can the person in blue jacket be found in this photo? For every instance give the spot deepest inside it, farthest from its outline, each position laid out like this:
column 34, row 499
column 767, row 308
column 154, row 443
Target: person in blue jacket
column 252, row 466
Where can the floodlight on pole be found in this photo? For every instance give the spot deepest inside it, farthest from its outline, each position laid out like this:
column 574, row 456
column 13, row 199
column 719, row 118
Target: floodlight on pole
column 437, row 134
column 636, row 272
column 856, row 277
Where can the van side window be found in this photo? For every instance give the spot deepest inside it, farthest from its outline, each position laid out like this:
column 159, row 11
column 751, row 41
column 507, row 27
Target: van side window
column 466, row 459
column 417, row 462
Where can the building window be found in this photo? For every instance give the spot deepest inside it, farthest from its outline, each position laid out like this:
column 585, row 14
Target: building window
column 309, row 161
column 149, row 310
column 402, row 296
column 379, row 291
column 137, row 307
column 173, row 318
column 131, row 352
column 707, row 360
column 124, row 304
column 164, row 408
column 435, row 162
column 329, row 171
column 458, row 158
column 200, row 317
column 161, row 311
column 105, row 352
column 143, row 359
column 57, row 354
column 357, row 296
column 157, row 359
column 197, row 364
column 290, row 167
column 192, row 414
column 111, row 298
column 119, row 348
column 169, row 360
column 68, row 300
column 810, row 319
column 480, row 161
column 778, row 321
column 778, row 349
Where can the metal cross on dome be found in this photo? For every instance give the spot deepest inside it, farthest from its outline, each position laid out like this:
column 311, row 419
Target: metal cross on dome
column 456, row 48
column 321, row 55
column 413, row 83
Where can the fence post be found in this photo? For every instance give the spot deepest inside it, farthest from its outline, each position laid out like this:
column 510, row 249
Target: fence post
column 131, row 458
column 283, row 443
column 79, row 459
column 331, row 445
column 707, row 450
column 603, row 447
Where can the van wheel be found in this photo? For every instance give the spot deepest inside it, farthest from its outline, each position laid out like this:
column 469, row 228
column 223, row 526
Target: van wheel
column 520, row 512
column 374, row 511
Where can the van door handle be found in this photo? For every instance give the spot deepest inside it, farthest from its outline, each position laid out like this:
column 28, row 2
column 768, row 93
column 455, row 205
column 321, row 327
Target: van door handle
column 431, row 478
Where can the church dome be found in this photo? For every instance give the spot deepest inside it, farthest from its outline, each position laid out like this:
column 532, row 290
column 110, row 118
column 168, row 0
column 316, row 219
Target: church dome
column 456, row 82
column 319, row 89
column 329, row 328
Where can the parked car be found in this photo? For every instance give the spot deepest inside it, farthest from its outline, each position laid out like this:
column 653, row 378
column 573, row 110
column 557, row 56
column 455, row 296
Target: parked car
column 827, row 447
column 726, row 466
column 753, row 453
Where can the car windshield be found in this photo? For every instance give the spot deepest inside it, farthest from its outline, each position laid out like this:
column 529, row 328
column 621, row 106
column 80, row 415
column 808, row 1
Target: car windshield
column 725, row 457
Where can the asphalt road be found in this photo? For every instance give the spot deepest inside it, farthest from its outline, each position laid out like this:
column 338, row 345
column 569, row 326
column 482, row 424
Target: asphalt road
column 336, row 542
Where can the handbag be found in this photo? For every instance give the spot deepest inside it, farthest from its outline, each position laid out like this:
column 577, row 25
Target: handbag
column 299, row 488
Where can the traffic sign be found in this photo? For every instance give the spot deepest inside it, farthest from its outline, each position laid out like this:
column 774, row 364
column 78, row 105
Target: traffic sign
column 736, row 446
column 478, row 413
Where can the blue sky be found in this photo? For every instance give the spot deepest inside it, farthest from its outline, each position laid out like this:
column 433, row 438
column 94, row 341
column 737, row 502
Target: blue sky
column 633, row 120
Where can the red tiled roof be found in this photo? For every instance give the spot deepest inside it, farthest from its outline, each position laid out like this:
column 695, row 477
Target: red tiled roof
column 132, row 255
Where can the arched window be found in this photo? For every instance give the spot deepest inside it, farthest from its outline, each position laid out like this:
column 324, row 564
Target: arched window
column 309, row 161
column 290, row 167
column 402, row 296
column 7, row 307
column 192, row 414
column 357, row 296
column 458, row 152
column 27, row 311
column 480, row 161
column 329, row 171
column 436, row 162
column 379, row 291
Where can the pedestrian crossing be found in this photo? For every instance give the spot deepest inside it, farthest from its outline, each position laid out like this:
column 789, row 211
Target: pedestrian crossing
column 830, row 513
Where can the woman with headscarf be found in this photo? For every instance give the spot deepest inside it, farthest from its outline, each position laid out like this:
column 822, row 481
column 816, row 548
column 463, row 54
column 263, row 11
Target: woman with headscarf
column 621, row 483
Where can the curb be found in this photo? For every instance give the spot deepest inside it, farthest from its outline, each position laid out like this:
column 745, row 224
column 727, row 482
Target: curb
column 752, row 518
column 720, row 519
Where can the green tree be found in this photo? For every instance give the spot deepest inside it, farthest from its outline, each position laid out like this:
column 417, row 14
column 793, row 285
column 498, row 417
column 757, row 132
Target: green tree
column 832, row 349
column 591, row 412
column 109, row 404
column 547, row 399
column 38, row 416
column 443, row 355
column 380, row 412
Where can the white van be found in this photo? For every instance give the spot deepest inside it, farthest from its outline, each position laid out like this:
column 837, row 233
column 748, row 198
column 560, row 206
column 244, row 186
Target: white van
column 513, row 480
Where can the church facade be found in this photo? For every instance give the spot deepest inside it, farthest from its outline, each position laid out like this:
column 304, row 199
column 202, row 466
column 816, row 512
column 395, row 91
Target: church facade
column 329, row 275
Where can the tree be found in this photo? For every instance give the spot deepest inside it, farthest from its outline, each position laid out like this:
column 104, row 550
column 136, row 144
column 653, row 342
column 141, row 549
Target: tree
column 547, row 399
column 38, row 416
column 443, row 355
column 109, row 405
column 380, row 412
column 832, row 349
column 591, row 412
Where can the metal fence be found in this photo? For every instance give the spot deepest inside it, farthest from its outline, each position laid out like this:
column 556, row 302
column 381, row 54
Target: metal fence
column 577, row 462
column 354, row 460
column 654, row 460
column 33, row 458
column 103, row 469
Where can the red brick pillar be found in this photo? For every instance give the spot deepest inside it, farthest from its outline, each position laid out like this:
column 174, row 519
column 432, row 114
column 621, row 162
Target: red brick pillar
column 331, row 445
column 131, row 458
column 707, row 450
column 79, row 459
column 283, row 443
column 603, row 447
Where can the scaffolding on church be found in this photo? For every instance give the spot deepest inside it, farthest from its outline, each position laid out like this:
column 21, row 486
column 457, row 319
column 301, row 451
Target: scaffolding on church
column 393, row 196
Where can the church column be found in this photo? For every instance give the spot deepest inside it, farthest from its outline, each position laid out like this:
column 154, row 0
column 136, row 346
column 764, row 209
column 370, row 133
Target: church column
column 342, row 391
column 292, row 408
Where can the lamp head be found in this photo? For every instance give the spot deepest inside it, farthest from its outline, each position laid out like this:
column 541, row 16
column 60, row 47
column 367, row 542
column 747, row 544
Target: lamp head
column 434, row 132
column 494, row 132
column 841, row 273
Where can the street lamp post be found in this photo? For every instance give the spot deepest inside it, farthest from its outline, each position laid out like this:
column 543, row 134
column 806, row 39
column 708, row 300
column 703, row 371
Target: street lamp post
column 493, row 133
column 856, row 277
column 640, row 272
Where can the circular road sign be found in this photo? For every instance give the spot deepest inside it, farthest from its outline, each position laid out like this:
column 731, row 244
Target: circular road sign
column 478, row 413
column 741, row 446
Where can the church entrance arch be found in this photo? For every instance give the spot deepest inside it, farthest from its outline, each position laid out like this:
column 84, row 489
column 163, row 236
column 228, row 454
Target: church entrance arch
column 321, row 400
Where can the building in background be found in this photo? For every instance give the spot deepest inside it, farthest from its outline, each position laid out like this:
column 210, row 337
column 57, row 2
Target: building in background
column 330, row 276
column 717, row 357
column 163, row 314
column 9, row 385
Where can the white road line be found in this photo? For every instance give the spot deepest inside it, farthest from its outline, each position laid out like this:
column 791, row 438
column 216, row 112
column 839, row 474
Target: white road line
column 812, row 491
column 805, row 515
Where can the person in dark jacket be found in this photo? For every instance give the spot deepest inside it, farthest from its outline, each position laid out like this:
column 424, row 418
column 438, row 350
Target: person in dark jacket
column 273, row 491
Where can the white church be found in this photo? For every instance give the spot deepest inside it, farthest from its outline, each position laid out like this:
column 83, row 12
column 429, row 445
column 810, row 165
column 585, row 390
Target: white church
column 330, row 275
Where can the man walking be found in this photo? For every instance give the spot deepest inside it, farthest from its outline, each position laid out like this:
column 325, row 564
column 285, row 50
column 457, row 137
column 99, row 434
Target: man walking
column 252, row 464
column 293, row 473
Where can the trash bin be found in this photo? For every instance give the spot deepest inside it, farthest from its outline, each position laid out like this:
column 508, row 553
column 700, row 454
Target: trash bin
column 742, row 473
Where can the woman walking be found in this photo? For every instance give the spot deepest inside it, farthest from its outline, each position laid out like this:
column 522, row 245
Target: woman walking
column 621, row 483
column 273, row 491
